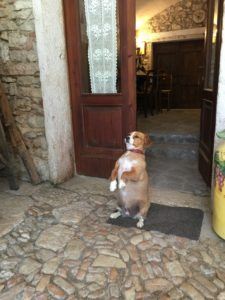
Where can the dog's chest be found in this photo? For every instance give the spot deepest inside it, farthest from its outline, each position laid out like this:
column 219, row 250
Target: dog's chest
column 126, row 164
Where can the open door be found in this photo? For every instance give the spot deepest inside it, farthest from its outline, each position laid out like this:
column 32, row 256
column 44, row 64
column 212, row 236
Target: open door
column 101, row 120
column 210, row 88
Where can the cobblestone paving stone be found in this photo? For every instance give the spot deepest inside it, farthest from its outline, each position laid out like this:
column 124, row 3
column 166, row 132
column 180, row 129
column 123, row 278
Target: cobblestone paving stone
column 64, row 249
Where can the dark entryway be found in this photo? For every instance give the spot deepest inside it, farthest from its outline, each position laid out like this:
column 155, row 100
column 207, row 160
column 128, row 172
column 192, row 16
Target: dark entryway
column 184, row 60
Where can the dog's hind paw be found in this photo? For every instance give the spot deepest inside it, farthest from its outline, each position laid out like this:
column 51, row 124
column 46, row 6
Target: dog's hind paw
column 113, row 186
column 115, row 215
column 122, row 184
column 140, row 223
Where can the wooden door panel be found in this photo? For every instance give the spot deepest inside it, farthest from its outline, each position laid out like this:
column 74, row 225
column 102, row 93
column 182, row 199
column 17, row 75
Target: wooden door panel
column 184, row 60
column 207, row 129
column 110, row 120
column 204, row 161
column 165, row 61
column 206, row 126
column 90, row 165
column 189, row 73
column 100, row 121
column 190, row 66
column 210, row 88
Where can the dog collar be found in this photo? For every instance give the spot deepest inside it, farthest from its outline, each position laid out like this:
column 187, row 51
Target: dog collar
column 137, row 151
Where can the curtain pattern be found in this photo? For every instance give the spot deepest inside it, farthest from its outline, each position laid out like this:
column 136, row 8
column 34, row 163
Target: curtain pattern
column 102, row 44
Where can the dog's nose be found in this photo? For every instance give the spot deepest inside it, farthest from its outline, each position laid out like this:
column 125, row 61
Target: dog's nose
column 127, row 139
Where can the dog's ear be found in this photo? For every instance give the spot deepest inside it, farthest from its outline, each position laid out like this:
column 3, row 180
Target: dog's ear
column 147, row 141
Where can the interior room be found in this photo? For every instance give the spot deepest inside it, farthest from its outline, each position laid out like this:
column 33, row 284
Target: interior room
column 169, row 68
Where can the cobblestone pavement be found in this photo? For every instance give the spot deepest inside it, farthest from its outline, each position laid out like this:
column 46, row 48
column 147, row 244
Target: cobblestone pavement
column 62, row 248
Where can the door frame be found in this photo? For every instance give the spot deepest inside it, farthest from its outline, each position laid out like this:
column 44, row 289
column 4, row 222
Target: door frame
column 209, row 96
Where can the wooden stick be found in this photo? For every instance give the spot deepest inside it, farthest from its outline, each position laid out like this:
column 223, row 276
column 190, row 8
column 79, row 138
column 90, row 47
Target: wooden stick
column 3, row 160
column 16, row 137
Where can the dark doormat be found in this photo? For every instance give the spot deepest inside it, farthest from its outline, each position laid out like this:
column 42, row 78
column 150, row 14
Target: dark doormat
column 181, row 221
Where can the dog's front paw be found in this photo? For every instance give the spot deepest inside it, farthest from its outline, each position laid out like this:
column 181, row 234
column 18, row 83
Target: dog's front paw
column 140, row 223
column 113, row 186
column 122, row 184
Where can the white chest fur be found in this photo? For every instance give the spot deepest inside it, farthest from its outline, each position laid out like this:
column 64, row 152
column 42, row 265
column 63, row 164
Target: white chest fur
column 125, row 165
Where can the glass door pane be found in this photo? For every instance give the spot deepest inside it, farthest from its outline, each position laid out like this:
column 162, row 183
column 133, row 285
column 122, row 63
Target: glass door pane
column 211, row 47
column 100, row 46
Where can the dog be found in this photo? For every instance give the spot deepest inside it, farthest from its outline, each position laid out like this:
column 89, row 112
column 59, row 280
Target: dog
column 130, row 176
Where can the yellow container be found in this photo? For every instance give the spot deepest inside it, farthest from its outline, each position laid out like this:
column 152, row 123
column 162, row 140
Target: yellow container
column 219, row 190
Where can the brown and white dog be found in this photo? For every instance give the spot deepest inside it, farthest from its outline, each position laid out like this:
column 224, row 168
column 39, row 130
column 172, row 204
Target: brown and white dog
column 131, row 177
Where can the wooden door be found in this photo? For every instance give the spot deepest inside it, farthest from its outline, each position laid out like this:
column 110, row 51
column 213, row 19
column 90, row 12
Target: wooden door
column 184, row 60
column 100, row 121
column 189, row 73
column 210, row 88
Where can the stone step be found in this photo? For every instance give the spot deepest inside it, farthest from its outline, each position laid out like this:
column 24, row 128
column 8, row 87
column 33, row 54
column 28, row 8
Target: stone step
column 174, row 138
column 176, row 151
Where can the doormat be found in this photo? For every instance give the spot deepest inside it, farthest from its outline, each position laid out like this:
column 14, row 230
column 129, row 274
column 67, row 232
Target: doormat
column 181, row 221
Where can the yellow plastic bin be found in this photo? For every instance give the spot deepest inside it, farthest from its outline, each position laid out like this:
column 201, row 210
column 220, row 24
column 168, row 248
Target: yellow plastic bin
column 219, row 188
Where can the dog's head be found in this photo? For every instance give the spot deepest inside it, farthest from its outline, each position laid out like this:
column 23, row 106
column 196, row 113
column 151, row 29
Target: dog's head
column 137, row 140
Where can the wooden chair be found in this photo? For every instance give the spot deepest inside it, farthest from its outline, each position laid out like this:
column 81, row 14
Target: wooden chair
column 164, row 89
column 144, row 93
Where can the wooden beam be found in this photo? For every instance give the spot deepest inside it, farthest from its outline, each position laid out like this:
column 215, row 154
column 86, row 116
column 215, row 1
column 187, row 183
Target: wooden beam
column 16, row 138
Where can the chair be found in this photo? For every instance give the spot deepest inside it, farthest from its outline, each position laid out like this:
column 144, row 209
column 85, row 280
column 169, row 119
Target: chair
column 164, row 89
column 144, row 93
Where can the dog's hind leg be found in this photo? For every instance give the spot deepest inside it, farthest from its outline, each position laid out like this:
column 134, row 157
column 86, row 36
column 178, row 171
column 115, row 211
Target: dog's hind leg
column 140, row 222
column 116, row 214
column 142, row 214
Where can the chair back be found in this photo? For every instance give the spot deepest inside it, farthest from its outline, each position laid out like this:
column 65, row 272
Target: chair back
column 165, row 81
column 148, row 84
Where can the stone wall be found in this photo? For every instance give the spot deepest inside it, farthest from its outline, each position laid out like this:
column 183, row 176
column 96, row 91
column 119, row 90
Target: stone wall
column 19, row 73
column 183, row 20
column 183, row 15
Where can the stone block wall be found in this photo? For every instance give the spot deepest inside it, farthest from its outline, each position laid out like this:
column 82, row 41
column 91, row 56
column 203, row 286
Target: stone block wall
column 184, row 20
column 183, row 15
column 19, row 72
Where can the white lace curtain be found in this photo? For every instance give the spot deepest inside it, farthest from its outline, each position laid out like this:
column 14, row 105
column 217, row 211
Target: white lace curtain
column 102, row 44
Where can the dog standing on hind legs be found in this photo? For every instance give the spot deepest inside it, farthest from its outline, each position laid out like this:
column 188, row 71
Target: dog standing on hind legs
column 131, row 178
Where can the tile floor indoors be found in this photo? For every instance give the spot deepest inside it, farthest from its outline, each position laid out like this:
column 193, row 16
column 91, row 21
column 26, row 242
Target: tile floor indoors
column 184, row 121
column 55, row 242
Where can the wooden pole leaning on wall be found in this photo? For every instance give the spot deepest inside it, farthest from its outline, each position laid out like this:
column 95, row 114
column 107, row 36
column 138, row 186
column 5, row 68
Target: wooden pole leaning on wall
column 16, row 138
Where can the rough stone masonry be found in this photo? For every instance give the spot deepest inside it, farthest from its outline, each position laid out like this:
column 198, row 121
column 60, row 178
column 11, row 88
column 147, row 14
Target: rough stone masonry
column 19, row 73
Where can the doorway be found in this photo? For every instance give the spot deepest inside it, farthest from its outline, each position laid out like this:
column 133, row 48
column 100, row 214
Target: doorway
column 184, row 61
column 101, row 121
column 172, row 115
